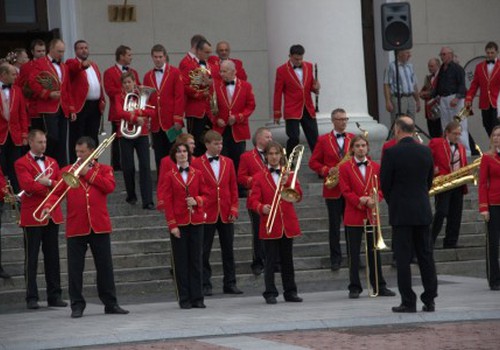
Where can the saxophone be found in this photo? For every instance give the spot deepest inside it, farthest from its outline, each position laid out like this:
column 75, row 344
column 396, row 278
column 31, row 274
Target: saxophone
column 333, row 180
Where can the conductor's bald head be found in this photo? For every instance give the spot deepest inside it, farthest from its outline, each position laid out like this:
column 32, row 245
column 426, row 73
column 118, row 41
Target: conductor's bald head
column 404, row 126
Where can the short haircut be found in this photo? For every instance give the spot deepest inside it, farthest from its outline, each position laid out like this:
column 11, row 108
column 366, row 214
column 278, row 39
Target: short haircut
column 212, row 135
column 403, row 125
column 54, row 42
column 86, row 140
column 336, row 111
column 297, row 50
column 356, row 139
column 126, row 75
column 120, row 51
column 277, row 146
column 81, row 41
column 196, row 38
column 36, row 42
column 259, row 132
column 175, row 148
column 230, row 64
column 452, row 126
column 184, row 137
column 491, row 45
column 19, row 50
column 201, row 44
column 5, row 68
column 33, row 132
column 159, row 48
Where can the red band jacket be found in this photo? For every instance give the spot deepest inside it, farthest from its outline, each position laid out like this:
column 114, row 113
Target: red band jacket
column 17, row 124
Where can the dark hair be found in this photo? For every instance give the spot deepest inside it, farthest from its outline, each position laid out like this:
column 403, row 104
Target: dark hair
column 196, row 38
column 297, row 50
column 491, row 45
column 175, row 148
column 126, row 75
column 86, row 140
column 201, row 44
column 37, row 42
column 120, row 51
column 274, row 144
column 81, row 41
column 452, row 126
column 356, row 139
column 212, row 135
column 159, row 48
column 406, row 127
column 337, row 110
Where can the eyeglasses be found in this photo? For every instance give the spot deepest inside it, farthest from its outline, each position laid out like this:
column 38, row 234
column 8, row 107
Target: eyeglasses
column 341, row 119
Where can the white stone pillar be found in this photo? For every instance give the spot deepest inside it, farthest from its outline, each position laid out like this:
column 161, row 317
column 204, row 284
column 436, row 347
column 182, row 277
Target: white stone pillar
column 331, row 32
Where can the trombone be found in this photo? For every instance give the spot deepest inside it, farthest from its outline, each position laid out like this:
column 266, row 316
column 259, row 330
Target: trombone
column 375, row 229
column 289, row 194
column 71, row 178
column 12, row 199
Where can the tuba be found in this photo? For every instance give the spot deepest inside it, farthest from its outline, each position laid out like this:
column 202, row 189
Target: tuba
column 135, row 101
column 463, row 114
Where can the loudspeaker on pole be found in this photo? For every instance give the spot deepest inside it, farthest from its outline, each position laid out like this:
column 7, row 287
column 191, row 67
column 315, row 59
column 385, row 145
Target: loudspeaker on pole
column 396, row 26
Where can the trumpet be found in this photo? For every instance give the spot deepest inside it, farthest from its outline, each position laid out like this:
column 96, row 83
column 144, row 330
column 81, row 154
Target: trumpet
column 71, row 178
column 375, row 229
column 48, row 171
column 464, row 113
column 135, row 101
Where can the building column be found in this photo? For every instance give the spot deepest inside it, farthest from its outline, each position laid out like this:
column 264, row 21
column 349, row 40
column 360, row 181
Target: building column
column 331, row 32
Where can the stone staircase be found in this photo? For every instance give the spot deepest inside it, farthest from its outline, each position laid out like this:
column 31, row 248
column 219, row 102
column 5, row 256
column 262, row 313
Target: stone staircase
column 141, row 249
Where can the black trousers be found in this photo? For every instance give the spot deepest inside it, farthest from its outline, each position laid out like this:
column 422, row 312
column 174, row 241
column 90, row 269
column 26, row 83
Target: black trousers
column 226, row 238
column 115, row 151
column 37, row 123
column 231, row 148
column 197, row 128
column 490, row 119
column 449, row 205
column 161, row 147
column 9, row 153
column 354, row 237
column 405, row 239
column 281, row 248
column 434, row 127
column 258, row 256
column 187, row 256
column 141, row 146
column 292, row 128
column 335, row 212
column 87, row 123
column 100, row 245
column 56, row 126
column 492, row 238
column 48, row 237
column 1, row 213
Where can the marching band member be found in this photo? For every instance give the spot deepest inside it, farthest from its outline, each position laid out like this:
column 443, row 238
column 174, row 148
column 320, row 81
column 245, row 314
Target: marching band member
column 88, row 95
column 221, row 208
column 140, row 144
column 36, row 233
column 223, row 51
column 330, row 150
column 21, row 58
column 197, row 95
column 184, row 196
column 252, row 163
column 88, row 225
column 51, row 87
column 13, row 122
column 113, row 87
column 357, row 178
column 294, row 83
column 236, row 103
column 3, row 186
column 489, row 205
column 168, row 100
column 449, row 156
column 278, row 241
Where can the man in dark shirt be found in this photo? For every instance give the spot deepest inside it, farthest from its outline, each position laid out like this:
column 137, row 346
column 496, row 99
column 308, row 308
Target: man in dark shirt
column 451, row 90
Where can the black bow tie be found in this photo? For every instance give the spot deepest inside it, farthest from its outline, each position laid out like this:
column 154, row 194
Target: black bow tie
column 124, row 68
column 277, row 171
column 42, row 158
column 365, row 163
column 6, row 86
column 186, row 169
column 498, row 153
column 56, row 61
column 211, row 159
column 490, row 61
column 229, row 82
column 340, row 135
column 453, row 144
column 159, row 70
column 202, row 63
column 297, row 67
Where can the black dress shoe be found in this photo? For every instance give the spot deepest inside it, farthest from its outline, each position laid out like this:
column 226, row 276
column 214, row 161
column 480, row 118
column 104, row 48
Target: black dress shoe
column 335, row 267
column 132, row 201
column 32, row 305
column 77, row 313
column 4, row 274
column 58, row 303
column 207, row 291
column 149, row 206
column 232, row 290
column 271, row 300
column 353, row 295
column 431, row 307
column 404, row 308
column 185, row 305
column 386, row 292
column 495, row 287
column 199, row 305
column 293, row 298
column 115, row 309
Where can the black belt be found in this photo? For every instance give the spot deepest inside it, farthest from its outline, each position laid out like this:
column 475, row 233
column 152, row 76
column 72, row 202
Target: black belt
column 446, row 95
column 402, row 95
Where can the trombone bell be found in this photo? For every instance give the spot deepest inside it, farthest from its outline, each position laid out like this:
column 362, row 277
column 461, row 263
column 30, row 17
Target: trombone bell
column 70, row 179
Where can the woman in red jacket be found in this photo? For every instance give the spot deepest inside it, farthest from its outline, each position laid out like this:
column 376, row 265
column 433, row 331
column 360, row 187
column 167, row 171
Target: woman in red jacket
column 489, row 206
column 183, row 198
column 278, row 240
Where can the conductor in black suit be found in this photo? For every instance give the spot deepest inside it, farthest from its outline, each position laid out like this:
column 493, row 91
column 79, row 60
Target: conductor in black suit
column 406, row 176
